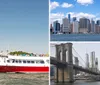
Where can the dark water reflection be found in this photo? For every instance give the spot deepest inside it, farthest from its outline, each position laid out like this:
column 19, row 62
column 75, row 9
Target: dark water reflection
column 78, row 83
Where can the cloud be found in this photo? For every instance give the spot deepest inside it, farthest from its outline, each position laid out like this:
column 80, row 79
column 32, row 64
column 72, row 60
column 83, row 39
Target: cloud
column 59, row 16
column 81, row 14
column 54, row 5
column 66, row 5
column 85, row 2
column 56, row 16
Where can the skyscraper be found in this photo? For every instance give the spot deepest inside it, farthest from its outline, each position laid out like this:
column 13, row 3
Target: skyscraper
column 74, row 19
column 77, row 64
column 96, row 64
column 84, row 25
column 56, row 26
column 69, row 18
column 93, row 60
column 92, row 26
column 66, row 28
column 98, row 22
column 87, row 61
column 75, row 27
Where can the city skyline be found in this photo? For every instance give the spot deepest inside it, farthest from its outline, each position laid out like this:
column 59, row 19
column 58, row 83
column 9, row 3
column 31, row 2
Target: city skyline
column 77, row 8
column 24, row 26
column 81, row 48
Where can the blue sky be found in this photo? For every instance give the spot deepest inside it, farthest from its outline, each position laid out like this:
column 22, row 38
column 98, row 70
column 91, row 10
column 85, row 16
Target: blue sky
column 24, row 25
column 77, row 8
column 81, row 48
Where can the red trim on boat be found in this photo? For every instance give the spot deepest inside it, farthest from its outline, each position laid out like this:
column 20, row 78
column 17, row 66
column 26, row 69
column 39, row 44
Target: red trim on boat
column 23, row 69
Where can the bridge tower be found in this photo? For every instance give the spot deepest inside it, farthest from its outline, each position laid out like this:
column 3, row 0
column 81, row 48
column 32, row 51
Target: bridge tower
column 64, row 54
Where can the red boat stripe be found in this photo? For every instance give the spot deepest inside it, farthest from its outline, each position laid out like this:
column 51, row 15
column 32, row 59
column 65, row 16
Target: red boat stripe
column 23, row 69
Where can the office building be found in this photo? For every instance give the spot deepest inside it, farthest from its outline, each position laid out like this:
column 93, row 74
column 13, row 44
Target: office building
column 93, row 60
column 98, row 22
column 92, row 26
column 74, row 19
column 66, row 25
column 75, row 27
column 87, row 61
column 56, row 26
column 84, row 25
column 96, row 64
column 69, row 17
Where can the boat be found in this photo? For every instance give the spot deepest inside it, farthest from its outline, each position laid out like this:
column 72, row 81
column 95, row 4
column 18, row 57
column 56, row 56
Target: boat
column 24, row 64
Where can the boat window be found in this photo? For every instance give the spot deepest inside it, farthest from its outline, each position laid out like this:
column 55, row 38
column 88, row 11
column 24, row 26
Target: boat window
column 8, row 61
column 32, row 61
column 20, row 61
column 37, row 61
column 41, row 61
column 28, row 61
column 24, row 61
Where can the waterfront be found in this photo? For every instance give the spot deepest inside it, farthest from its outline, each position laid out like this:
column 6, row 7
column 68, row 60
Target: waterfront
column 78, row 83
column 75, row 37
column 24, row 79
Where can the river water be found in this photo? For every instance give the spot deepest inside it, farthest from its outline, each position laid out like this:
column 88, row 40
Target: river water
column 78, row 83
column 75, row 37
column 23, row 79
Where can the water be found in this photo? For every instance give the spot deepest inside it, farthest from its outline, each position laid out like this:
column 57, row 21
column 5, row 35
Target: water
column 78, row 83
column 23, row 79
column 75, row 37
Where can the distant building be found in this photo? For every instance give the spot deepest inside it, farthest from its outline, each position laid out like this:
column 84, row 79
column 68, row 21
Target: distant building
column 75, row 27
column 84, row 25
column 93, row 60
column 56, row 26
column 92, row 26
column 51, row 28
column 96, row 64
column 71, row 27
column 97, row 29
column 98, row 22
column 77, row 64
column 74, row 19
column 66, row 25
column 87, row 61
column 69, row 17
column 61, row 28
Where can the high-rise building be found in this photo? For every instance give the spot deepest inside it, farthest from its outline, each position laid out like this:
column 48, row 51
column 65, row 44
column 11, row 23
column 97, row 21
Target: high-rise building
column 84, row 25
column 56, row 26
column 87, row 61
column 93, row 60
column 61, row 28
column 69, row 18
column 98, row 22
column 74, row 19
column 71, row 27
column 97, row 28
column 77, row 64
column 66, row 25
column 96, row 64
column 51, row 28
column 76, row 61
column 92, row 26
column 75, row 27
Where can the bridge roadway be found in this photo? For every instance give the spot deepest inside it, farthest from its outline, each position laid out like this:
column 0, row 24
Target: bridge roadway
column 61, row 64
